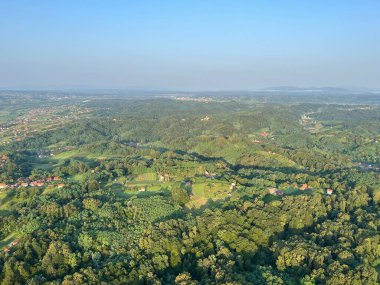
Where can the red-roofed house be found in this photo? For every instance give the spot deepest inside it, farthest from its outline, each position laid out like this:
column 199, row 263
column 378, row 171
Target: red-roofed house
column 304, row 187
column 13, row 243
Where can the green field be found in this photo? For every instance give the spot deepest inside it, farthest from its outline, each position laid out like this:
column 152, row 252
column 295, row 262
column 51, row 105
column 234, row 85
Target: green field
column 132, row 188
column 202, row 192
column 150, row 176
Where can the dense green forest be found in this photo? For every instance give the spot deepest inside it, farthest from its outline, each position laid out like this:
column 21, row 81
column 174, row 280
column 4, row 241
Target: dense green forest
column 210, row 189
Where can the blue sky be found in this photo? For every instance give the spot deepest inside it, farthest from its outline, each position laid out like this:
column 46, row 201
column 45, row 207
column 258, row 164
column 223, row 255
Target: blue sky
column 189, row 45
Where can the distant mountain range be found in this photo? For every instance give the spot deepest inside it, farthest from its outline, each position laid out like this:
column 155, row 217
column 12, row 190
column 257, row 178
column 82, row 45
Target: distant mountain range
column 295, row 89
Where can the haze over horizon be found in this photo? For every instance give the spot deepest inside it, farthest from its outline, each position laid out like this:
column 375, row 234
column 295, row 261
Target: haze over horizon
column 191, row 45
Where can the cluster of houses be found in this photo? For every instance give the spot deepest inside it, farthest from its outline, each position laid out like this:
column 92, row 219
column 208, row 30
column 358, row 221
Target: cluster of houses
column 205, row 119
column 21, row 127
column 303, row 187
column 196, row 99
column 25, row 182
column 8, row 248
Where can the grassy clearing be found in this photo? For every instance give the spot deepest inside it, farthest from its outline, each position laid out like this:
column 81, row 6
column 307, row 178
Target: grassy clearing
column 4, row 211
column 2, row 195
column 6, row 116
column 7, row 240
column 49, row 163
column 278, row 159
column 71, row 154
column 77, row 178
column 83, row 154
column 132, row 188
column 49, row 190
column 151, row 176
column 127, row 192
column 196, row 202
column 202, row 192
column 6, row 197
column 149, row 185
column 45, row 163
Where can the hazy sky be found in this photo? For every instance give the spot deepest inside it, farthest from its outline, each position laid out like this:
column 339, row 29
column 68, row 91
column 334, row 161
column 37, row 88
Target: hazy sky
column 189, row 45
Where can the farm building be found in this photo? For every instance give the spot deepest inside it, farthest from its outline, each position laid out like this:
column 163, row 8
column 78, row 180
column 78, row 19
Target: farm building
column 279, row 192
column 304, row 187
column 272, row 190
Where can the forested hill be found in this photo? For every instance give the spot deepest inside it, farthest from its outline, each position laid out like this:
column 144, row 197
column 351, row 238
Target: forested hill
column 188, row 190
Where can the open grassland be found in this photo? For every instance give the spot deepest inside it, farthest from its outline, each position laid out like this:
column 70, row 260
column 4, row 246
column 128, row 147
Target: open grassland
column 5, row 199
column 150, row 176
column 203, row 192
column 132, row 189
